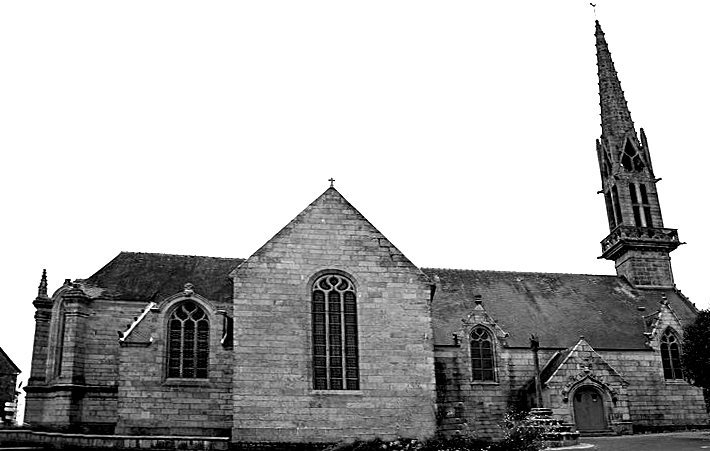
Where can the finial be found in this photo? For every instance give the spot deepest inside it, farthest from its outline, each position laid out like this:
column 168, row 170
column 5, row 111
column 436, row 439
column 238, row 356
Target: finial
column 594, row 6
column 331, row 180
column 42, row 290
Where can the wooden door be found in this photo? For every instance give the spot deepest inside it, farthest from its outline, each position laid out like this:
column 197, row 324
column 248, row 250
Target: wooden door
column 589, row 410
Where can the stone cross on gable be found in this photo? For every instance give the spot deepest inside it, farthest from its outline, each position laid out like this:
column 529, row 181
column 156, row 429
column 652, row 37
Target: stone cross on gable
column 331, row 180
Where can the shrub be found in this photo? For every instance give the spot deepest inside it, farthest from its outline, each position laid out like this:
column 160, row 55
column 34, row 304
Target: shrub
column 521, row 434
column 465, row 443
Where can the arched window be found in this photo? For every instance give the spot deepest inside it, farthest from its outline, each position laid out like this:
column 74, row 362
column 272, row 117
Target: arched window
column 482, row 355
column 335, row 340
column 670, row 355
column 188, row 342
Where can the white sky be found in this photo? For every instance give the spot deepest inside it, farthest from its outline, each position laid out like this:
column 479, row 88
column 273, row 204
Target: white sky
column 463, row 130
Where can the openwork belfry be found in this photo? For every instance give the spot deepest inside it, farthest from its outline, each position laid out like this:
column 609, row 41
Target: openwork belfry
column 328, row 331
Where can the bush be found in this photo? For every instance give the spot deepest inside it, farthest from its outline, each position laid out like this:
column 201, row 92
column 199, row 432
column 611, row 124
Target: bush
column 377, row 444
column 462, row 443
column 521, row 434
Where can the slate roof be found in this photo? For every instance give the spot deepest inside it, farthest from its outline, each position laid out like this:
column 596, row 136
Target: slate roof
column 558, row 308
column 7, row 366
column 152, row 277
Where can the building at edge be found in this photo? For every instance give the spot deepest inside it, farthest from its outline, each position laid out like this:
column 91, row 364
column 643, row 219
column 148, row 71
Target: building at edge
column 329, row 332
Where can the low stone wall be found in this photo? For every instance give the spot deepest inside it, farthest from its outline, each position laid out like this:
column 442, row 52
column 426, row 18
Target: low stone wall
column 56, row 440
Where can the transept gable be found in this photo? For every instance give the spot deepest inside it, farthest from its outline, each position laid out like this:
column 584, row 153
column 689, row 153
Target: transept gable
column 330, row 233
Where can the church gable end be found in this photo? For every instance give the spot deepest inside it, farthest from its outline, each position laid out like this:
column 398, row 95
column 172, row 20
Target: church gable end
column 332, row 333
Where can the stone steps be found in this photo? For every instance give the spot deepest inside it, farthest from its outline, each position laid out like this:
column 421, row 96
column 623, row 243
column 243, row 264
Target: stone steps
column 557, row 434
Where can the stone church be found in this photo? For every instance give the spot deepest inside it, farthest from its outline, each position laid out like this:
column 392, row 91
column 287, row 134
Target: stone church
column 328, row 332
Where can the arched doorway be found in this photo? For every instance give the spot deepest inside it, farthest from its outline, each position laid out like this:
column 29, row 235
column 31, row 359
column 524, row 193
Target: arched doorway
column 589, row 410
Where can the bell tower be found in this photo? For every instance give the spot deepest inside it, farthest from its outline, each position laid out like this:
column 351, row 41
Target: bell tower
column 638, row 242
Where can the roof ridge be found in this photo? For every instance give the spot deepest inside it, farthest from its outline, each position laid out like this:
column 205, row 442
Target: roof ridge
column 180, row 255
column 518, row 272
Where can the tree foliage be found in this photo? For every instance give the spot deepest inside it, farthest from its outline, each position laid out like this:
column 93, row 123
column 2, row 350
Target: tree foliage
column 696, row 351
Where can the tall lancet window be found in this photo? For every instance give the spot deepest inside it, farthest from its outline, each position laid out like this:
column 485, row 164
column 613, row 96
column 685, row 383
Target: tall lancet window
column 335, row 338
column 188, row 342
column 670, row 355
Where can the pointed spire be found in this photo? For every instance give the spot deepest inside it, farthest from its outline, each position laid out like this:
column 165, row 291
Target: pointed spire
column 42, row 289
column 616, row 117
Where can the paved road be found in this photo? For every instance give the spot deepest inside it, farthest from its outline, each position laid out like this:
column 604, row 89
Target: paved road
column 680, row 441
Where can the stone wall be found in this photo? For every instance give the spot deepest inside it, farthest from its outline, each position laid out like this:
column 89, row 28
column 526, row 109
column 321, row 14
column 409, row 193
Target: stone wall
column 274, row 396
column 479, row 407
column 151, row 403
column 655, row 402
column 55, row 440
column 648, row 402
column 82, row 396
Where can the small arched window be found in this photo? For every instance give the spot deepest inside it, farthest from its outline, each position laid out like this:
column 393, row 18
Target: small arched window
column 670, row 355
column 335, row 338
column 188, row 342
column 482, row 355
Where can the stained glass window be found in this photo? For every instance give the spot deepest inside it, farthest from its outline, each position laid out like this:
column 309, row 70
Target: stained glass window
column 482, row 355
column 188, row 342
column 670, row 355
column 335, row 338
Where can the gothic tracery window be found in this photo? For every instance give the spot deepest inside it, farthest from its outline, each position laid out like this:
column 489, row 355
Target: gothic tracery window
column 670, row 355
column 335, row 337
column 482, row 355
column 188, row 342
